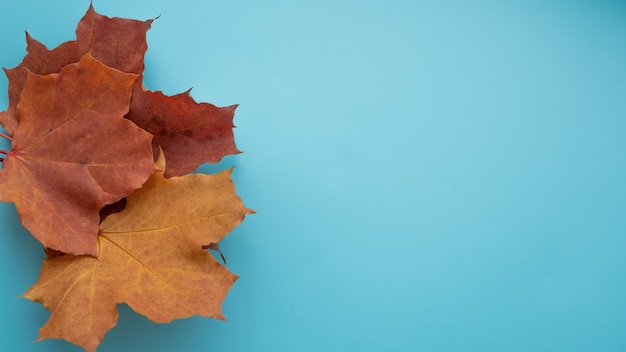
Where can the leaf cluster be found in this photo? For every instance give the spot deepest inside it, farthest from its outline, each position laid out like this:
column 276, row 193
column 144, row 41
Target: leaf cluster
column 99, row 172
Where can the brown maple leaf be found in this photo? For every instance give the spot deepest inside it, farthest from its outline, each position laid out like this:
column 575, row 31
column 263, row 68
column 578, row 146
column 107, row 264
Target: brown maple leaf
column 117, row 42
column 189, row 133
column 73, row 152
column 151, row 257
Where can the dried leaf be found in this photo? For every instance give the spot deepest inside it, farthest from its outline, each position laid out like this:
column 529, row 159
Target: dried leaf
column 150, row 257
column 117, row 42
column 73, row 152
column 189, row 133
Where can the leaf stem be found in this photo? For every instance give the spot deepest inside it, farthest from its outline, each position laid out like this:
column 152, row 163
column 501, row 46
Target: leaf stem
column 6, row 136
column 3, row 152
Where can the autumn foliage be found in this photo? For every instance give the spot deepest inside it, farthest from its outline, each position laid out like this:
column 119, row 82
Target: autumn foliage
column 98, row 171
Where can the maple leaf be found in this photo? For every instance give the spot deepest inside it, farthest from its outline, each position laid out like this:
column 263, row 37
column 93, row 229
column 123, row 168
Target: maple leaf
column 189, row 133
column 151, row 257
column 117, row 42
column 73, row 152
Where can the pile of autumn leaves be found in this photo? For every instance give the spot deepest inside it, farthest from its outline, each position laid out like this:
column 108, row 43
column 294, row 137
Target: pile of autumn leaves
column 88, row 176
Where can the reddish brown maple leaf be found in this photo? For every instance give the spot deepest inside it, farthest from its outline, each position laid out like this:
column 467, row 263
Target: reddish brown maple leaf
column 151, row 257
column 73, row 152
column 189, row 133
column 117, row 42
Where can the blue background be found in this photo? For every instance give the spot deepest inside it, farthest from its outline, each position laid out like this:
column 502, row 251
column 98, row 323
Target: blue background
column 432, row 176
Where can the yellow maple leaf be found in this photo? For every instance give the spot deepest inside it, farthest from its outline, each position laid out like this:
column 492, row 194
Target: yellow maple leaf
column 150, row 257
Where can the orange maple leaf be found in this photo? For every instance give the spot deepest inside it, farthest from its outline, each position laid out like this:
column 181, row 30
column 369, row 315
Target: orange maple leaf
column 151, row 257
column 73, row 152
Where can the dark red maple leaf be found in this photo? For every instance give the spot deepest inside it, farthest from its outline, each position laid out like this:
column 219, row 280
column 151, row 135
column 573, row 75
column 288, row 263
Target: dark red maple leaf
column 189, row 133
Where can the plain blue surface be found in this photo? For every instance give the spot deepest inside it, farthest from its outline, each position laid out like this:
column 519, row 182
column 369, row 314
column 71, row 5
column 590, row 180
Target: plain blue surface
column 428, row 176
